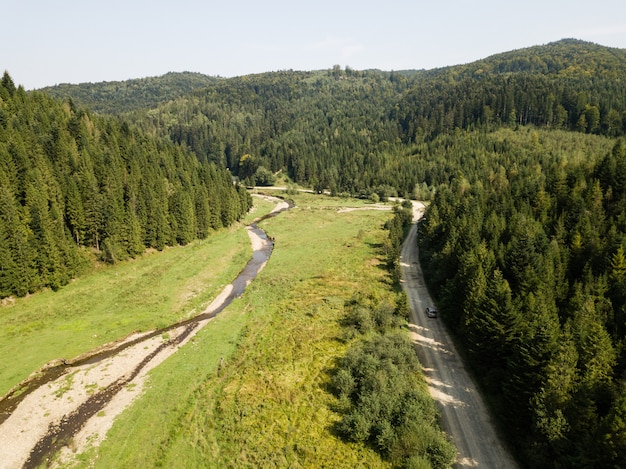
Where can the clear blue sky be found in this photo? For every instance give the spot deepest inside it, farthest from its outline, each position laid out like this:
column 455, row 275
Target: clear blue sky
column 45, row 42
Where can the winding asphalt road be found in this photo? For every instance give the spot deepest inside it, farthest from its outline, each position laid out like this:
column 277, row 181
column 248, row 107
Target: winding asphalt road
column 464, row 415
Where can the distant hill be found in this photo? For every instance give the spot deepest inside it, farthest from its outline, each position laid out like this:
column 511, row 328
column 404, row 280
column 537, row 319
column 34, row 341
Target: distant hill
column 343, row 129
column 565, row 57
column 569, row 84
column 122, row 96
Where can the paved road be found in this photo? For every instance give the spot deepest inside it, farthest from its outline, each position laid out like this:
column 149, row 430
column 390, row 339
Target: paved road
column 464, row 414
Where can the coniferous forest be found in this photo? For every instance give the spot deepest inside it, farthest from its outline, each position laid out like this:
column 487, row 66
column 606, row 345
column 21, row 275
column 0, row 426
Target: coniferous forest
column 521, row 155
column 74, row 184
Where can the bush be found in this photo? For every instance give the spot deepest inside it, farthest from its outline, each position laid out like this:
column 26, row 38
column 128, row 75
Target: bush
column 416, row 462
column 383, row 317
column 359, row 318
column 385, row 405
column 402, row 306
column 264, row 177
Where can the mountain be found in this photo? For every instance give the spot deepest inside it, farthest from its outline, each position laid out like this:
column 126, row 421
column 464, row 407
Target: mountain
column 122, row 96
column 346, row 130
column 569, row 84
column 562, row 58
column 521, row 154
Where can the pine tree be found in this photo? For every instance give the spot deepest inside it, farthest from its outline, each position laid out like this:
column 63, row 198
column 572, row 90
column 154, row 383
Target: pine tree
column 183, row 217
column 74, row 211
column 203, row 212
column 7, row 84
column 7, row 266
column 48, row 259
column 24, row 278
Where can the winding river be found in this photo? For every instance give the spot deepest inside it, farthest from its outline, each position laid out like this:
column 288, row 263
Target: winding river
column 36, row 423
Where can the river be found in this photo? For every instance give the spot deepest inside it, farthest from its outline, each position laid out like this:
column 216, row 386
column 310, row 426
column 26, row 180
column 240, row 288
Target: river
column 54, row 407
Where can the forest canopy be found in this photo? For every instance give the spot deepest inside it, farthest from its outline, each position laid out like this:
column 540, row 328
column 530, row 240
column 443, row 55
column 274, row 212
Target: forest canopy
column 73, row 184
column 350, row 131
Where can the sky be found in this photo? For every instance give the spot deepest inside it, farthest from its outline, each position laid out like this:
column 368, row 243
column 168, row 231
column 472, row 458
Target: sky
column 44, row 42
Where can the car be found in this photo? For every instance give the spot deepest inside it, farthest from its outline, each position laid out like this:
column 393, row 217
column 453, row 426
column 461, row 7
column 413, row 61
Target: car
column 431, row 312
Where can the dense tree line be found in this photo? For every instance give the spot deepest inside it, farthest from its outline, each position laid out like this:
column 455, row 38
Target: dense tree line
column 327, row 129
column 524, row 248
column 72, row 183
column 398, row 228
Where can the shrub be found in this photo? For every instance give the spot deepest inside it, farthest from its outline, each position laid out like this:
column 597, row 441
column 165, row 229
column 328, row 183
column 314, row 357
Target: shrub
column 402, row 306
column 264, row 177
column 387, row 407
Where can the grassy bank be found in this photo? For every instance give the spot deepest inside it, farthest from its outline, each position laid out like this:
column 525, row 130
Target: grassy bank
column 152, row 291
column 269, row 404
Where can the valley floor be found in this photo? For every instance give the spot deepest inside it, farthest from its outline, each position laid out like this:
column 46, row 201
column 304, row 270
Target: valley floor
column 82, row 403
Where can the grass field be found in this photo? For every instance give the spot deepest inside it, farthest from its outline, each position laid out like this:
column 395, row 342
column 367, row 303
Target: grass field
column 268, row 405
column 152, row 291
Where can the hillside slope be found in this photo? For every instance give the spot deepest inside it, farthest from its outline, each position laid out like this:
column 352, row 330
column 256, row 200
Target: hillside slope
column 347, row 130
column 74, row 185
column 122, row 96
column 568, row 84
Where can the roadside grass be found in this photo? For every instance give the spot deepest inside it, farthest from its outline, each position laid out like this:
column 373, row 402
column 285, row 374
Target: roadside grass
column 250, row 389
column 152, row 291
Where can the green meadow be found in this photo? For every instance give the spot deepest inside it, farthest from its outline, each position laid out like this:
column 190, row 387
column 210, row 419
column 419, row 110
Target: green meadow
column 251, row 389
column 268, row 404
column 150, row 292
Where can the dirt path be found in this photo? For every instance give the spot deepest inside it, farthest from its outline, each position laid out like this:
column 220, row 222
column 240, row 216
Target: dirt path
column 74, row 411
column 464, row 414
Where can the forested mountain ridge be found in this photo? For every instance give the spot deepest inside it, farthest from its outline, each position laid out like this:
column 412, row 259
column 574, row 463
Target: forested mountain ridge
column 342, row 130
column 569, row 84
column 524, row 241
column 327, row 129
column 73, row 183
column 524, row 250
column 346, row 130
column 564, row 57
column 122, row 96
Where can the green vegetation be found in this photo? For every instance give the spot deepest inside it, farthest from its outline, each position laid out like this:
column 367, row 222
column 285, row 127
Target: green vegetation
column 114, row 97
column 382, row 397
column 522, row 155
column 525, row 252
column 385, row 403
column 270, row 402
column 398, row 228
column 326, row 129
column 347, row 130
column 568, row 84
column 152, row 291
column 73, row 185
